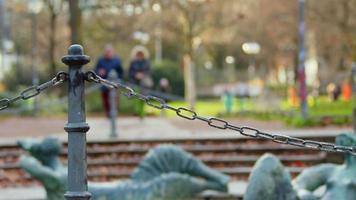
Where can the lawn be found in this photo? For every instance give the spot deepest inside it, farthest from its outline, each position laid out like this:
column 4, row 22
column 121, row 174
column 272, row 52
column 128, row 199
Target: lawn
column 321, row 111
column 214, row 107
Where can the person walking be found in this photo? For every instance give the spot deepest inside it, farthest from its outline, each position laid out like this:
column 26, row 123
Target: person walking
column 107, row 64
column 140, row 73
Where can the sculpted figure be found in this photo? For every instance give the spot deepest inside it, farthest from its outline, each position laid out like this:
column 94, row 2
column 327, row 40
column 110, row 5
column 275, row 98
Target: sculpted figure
column 269, row 180
column 166, row 172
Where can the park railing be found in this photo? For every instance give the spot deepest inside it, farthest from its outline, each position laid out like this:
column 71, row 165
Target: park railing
column 77, row 126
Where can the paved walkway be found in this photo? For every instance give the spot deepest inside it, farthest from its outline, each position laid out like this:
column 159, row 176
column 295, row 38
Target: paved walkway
column 15, row 128
column 236, row 188
column 150, row 128
column 38, row 193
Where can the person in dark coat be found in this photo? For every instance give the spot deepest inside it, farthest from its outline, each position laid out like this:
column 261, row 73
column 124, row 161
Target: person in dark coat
column 140, row 74
column 140, row 70
column 107, row 64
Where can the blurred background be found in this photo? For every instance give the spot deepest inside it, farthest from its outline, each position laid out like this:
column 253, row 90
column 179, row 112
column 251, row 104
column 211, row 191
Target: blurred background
column 250, row 49
column 287, row 67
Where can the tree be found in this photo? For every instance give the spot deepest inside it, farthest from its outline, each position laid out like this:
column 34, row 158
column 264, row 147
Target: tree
column 54, row 8
column 191, row 25
column 75, row 21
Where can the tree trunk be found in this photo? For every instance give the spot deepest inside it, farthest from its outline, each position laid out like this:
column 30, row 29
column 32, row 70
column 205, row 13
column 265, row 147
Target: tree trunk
column 189, row 83
column 188, row 63
column 52, row 44
column 75, row 21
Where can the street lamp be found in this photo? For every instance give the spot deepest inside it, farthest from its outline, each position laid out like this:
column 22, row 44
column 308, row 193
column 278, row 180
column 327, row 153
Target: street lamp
column 34, row 7
column 230, row 60
column 156, row 7
column 251, row 48
column 143, row 37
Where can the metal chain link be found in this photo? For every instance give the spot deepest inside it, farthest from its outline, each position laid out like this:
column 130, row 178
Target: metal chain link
column 189, row 114
column 35, row 90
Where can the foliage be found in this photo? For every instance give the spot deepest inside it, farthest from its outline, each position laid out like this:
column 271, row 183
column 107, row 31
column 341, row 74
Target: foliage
column 125, row 106
column 170, row 70
column 20, row 76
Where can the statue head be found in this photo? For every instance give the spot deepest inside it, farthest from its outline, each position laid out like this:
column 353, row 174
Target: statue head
column 269, row 180
column 43, row 151
column 346, row 139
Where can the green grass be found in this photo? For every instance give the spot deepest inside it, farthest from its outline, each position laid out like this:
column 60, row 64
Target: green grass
column 325, row 107
column 320, row 111
column 213, row 107
column 321, row 107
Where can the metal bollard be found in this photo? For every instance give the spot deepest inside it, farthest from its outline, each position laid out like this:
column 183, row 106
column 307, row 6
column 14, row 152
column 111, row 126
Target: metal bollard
column 76, row 126
column 113, row 107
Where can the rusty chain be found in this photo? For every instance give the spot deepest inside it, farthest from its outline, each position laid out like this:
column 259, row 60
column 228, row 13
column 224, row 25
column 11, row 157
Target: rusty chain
column 189, row 114
column 35, row 90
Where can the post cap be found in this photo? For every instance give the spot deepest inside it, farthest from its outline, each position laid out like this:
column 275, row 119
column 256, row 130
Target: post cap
column 75, row 56
column 75, row 49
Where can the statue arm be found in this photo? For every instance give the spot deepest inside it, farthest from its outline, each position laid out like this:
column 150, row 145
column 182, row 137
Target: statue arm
column 312, row 178
column 44, row 174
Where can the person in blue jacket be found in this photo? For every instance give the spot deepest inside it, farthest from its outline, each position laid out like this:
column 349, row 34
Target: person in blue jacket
column 107, row 64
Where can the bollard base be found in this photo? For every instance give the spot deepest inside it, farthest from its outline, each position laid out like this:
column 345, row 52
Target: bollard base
column 82, row 127
column 77, row 195
column 354, row 120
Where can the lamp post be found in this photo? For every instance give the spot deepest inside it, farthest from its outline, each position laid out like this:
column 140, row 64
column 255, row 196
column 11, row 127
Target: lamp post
column 158, row 41
column 113, row 106
column 34, row 7
column 353, row 74
column 251, row 48
column 2, row 33
column 301, row 61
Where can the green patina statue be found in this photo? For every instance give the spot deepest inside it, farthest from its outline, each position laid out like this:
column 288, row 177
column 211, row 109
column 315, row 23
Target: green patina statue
column 269, row 180
column 166, row 173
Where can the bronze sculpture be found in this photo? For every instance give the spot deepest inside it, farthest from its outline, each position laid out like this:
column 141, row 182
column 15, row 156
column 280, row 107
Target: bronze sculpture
column 166, row 172
column 269, row 180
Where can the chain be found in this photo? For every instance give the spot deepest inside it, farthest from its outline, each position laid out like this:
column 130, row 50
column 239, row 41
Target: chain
column 35, row 90
column 189, row 114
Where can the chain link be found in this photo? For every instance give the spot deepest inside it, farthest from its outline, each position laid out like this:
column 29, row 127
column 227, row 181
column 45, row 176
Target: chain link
column 33, row 91
column 189, row 114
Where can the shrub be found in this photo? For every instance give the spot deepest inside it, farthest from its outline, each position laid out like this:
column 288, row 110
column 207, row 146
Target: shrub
column 171, row 71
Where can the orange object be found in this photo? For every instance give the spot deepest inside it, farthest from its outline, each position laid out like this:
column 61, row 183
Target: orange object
column 346, row 91
column 292, row 96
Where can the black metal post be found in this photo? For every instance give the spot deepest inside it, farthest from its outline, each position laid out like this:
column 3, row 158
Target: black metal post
column 113, row 107
column 76, row 126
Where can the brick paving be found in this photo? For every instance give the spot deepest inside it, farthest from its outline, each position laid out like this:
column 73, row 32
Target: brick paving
column 14, row 128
